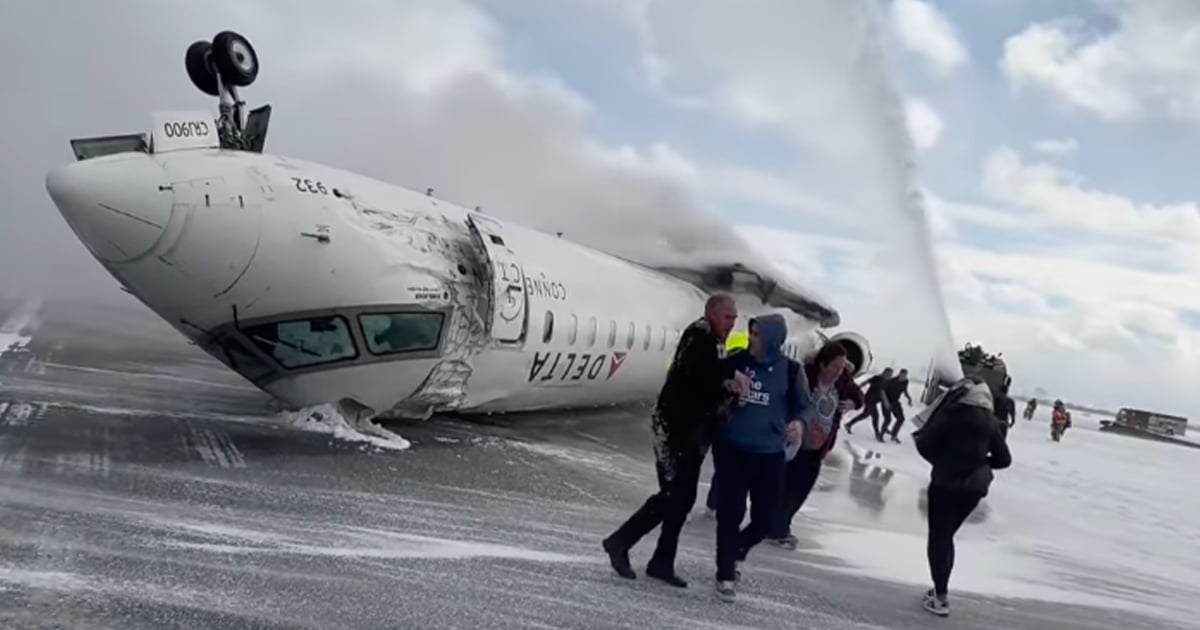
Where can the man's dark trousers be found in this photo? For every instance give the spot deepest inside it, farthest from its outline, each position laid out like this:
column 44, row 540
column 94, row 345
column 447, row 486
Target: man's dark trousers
column 678, row 478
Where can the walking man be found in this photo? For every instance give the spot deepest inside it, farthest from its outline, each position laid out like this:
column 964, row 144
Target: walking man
column 875, row 386
column 695, row 396
column 894, row 411
column 749, row 452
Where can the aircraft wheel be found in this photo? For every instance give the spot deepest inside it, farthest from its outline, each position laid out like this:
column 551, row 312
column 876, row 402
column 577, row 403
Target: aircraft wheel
column 198, row 62
column 234, row 58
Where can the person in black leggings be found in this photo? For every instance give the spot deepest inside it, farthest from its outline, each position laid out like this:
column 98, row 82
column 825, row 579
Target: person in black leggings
column 963, row 442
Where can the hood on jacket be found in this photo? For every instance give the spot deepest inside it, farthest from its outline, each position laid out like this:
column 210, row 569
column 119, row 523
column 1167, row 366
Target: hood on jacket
column 978, row 395
column 772, row 330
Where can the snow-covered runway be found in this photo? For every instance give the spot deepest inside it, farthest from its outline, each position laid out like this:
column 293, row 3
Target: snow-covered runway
column 142, row 486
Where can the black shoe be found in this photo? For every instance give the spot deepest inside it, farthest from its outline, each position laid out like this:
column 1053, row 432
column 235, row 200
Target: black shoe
column 895, row 439
column 666, row 575
column 618, row 557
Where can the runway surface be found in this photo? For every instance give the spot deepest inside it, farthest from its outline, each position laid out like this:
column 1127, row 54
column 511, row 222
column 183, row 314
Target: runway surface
column 142, row 485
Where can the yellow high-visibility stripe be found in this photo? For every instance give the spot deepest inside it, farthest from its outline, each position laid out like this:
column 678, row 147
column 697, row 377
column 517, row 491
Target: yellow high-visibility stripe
column 735, row 341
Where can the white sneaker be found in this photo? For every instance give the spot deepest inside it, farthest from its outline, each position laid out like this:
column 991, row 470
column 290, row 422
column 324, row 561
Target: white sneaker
column 939, row 606
column 725, row 591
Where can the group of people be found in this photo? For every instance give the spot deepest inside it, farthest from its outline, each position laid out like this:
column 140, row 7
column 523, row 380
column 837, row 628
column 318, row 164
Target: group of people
column 769, row 422
column 885, row 390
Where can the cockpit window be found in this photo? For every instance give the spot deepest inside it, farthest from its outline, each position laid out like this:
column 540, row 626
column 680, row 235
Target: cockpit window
column 87, row 148
column 391, row 333
column 305, row 342
column 232, row 353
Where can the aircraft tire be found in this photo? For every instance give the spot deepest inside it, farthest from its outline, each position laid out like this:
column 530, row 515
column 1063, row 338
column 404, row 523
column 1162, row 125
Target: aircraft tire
column 199, row 67
column 234, row 58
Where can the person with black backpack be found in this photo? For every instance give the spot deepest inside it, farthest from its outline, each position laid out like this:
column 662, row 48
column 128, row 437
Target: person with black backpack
column 964, row 444
column 749, row 453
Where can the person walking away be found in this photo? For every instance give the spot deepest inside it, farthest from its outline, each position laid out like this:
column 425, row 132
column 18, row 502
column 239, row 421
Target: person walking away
column 894, row 412
column 695, row 395
column 1030, row 407
column 963, row 443
column 873, row 399
column 833, row 392
column 1060, row 421
column 1005, row 411
column 749, row 452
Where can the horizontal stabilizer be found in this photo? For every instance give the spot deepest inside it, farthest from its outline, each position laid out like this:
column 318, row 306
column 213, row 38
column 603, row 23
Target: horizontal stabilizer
column 737, row 278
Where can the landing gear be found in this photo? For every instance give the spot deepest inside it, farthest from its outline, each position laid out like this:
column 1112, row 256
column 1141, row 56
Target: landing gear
column 235, row 59
column 218, row 68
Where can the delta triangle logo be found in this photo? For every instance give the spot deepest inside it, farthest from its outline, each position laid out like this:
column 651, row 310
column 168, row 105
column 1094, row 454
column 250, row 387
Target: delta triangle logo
column 617, row 359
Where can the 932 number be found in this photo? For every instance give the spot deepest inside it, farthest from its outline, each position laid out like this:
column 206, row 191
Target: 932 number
column 310, row 186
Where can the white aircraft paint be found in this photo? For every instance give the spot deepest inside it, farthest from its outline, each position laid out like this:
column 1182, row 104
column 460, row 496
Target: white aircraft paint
column 290, row 272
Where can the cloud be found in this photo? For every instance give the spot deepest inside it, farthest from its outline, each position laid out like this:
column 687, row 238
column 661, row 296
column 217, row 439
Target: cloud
column 924, row 30
column 419, row 93
column 924, row 124
column 1141, row 66
column 1065, row 199
column 1060, row 147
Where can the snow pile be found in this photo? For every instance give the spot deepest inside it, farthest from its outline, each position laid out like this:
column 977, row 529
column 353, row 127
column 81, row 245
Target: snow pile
column 328, row 419
column 17, row 331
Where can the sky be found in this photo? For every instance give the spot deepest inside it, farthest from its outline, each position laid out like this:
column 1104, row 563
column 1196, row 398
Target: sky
column 1052, row 144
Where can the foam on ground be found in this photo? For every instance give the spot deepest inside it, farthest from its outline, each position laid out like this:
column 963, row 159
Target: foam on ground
column 327, row 419
column 17, row 331
column 1098, row 518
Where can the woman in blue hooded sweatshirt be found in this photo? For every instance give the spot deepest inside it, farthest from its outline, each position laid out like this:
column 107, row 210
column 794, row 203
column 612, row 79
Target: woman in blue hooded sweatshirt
column 749, row 453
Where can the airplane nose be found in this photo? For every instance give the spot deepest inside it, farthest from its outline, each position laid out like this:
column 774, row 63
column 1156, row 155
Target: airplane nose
column 117, row 205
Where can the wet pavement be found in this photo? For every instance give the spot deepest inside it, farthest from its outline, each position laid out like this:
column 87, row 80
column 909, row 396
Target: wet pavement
column 142, row 485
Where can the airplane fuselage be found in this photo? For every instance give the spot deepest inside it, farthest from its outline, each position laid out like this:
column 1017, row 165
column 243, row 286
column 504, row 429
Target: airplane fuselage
column 318, row 284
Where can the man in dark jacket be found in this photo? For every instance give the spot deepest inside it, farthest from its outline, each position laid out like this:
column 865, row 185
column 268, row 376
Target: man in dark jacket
column 1005, row 410
column 873, row 399
column 893, row 417
column 694, row 398
column 800, row 475
column 963, row 443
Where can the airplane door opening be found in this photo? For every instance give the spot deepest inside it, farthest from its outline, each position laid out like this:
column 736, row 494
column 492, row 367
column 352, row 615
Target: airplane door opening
column 509, row 301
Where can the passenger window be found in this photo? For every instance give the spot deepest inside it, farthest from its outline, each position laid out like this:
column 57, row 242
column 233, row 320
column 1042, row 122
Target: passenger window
column 392, row 333
column 548, row 329
column 662, row 343
column 646, row 340
column 591, row 340
column 629, row 335
column 612, row 334
column 305, row 342
column 573, row 331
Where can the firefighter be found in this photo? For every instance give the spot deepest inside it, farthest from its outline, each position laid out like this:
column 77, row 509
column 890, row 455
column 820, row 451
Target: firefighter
column 1060, row 420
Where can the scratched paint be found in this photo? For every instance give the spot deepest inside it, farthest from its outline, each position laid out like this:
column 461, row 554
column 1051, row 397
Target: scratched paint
column 437, row 247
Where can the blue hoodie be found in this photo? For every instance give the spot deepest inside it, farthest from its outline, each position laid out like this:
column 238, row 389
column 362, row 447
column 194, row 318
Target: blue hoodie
column 757, row 424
